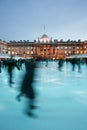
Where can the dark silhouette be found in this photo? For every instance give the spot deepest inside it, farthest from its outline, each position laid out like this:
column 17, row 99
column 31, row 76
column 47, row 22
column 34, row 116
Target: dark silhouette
column 11, row 63
column 27, row 88
column 74, row 62
column 60, row 64
column 46, row 62
column 0, row 65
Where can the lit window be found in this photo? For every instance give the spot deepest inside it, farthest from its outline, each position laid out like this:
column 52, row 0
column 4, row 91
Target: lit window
column 28, row 52
column 44, row 40
column 31, row 52
column 9, row 52
column 69, row 52
column 65, row 47
column 58, row 47
column 12, row 52
column 70, row 47
column 77, row 52
column 65, row 52
column 81, row 52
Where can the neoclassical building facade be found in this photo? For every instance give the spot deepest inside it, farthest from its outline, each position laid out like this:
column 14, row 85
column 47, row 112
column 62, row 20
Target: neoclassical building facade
column 3, row 47
column 45, row 48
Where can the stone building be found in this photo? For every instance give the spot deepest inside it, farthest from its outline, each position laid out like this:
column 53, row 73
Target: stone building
column 3, row 47
column 45, row 48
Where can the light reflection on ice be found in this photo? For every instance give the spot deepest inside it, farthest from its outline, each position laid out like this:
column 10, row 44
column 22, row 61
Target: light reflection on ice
column 80, row 96
column 2, row 107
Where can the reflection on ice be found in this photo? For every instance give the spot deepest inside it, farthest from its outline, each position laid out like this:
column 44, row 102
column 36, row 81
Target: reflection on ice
column 2, row 107
column 60, row 102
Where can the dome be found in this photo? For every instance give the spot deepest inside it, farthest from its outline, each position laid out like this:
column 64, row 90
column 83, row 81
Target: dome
column 44, row 39
column 44, row 36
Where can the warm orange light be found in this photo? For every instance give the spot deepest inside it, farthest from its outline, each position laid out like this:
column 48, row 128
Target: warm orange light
column 81, row 52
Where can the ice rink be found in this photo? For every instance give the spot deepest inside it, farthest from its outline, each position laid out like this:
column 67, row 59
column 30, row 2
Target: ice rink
column 61, row 99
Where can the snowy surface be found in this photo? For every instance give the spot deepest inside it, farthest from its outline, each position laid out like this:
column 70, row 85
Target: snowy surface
column 61, row 100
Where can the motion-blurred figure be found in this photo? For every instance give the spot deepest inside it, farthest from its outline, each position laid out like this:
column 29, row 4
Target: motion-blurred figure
column 11, row 63
column 27, row 88
column 0, row 65
column 74, row 62
column 60, row 64
column 46, row 62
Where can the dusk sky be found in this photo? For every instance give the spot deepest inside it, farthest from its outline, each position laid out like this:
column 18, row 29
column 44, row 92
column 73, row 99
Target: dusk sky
column 26, row 19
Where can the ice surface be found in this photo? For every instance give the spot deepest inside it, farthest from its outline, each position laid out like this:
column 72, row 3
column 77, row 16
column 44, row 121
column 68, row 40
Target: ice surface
column 61, row 100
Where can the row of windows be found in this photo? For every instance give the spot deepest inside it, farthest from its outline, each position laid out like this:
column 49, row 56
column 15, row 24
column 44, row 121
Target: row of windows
column 28, row 52
column 65, row 47
column 21, row 48
column 66, row 52
column 59, row 47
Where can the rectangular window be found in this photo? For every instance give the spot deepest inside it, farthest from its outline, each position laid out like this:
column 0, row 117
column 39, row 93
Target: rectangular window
column 9, row 52
column 65, row 47
column 12, row 52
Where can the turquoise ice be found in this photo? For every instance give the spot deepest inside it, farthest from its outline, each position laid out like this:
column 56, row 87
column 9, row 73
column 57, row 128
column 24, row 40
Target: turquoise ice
column 61, row 99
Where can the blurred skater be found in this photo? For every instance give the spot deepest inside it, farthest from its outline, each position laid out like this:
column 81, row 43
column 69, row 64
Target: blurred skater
column 76, row 62
column 11, row 63
column 27, row 88
column 0, row 65
column 60, row 64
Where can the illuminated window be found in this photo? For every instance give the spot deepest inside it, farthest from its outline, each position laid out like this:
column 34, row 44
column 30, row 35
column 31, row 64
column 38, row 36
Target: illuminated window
column 44, row 40
column 58, row 47
column 69, row 52
column 65, row 52
column 28, row 52
column 65, row 47
column 70, row 47
column 9, row 52
column 81, row 52
column 12, row 52
column 31, row 52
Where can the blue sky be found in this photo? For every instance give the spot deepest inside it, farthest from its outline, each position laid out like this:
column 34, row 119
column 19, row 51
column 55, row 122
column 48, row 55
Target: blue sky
column 25, row 19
